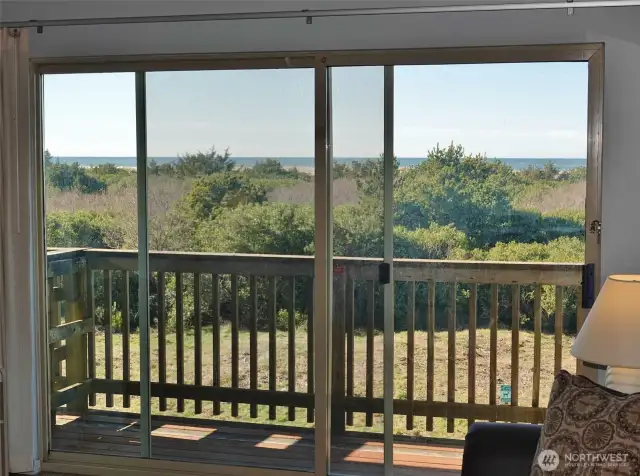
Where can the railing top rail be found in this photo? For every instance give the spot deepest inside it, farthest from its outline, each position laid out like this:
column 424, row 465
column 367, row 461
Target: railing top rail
column 62, row 253
column 500, row 272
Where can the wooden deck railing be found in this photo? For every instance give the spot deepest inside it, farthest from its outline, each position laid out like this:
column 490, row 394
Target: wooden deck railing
column 83, row 282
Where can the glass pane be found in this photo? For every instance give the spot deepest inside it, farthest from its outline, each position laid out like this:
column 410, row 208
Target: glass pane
column 492, row 169
column 357, row 114
column 90, row 204
column 231, row 227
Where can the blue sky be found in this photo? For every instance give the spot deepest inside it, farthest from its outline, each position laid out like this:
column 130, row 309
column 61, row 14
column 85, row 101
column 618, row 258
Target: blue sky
column 503, row 110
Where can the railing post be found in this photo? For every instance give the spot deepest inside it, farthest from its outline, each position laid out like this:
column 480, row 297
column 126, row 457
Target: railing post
column 338, row 410
column 55, row 366
column 75, row 287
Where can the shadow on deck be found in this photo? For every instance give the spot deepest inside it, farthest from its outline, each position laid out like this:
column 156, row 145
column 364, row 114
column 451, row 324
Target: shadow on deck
column 215, row 442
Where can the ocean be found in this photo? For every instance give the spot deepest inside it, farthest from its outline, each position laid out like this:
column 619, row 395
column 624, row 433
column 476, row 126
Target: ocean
column 516, row 163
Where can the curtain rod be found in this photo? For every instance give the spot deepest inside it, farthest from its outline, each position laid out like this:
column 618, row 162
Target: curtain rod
column 320, row 13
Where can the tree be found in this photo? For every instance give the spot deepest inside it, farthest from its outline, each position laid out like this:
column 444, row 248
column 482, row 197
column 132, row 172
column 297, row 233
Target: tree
column 548, row 172
column 268, row 168
column 369, row 176
column 204, row 163
column 209, row 195
column 341, row 170
column 451, row 187
column 71, row 177
column 273, row 169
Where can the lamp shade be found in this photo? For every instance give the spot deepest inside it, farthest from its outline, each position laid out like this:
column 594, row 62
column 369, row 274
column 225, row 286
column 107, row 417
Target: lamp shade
column 611, row 333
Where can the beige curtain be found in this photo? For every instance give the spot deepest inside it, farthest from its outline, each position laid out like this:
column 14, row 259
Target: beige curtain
column 14, row 144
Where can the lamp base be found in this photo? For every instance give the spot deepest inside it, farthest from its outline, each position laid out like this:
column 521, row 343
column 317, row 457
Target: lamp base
column 622, row 379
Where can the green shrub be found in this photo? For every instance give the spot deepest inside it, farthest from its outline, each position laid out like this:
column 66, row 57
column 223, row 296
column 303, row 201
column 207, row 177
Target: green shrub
column 282, row 319
column 434, row 242
column 196, row 164
column 270, row 228
column 451, row 187
column 82, row 229
column 211, row 195
column 65, row 176
column 112, row 175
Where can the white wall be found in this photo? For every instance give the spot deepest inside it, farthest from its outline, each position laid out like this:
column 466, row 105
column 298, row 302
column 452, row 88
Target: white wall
column 618, row 28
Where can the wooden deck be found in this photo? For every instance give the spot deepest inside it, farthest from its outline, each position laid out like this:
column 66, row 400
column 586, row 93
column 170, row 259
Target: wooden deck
column 217, row 442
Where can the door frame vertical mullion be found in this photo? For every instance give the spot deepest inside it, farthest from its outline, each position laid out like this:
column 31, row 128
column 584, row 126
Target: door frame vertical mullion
column 593, row 200
column 143, row 264
column 322, row 284
column 388, row 350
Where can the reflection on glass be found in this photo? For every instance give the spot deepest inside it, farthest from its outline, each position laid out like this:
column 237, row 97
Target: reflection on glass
column 230, row 194
column 90, row 204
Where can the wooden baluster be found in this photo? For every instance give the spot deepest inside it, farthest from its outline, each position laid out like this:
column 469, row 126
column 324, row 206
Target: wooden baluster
column 371, row 296
column 197, row 311
column 292, row 345
column 108, row 332
column 310, row 347
column 126, row 331
column 338, row 353
column 91, row 337
column 215, row 311
column 559, row 329
column 350, row 327
column 253, row 342
column 179, row 337
column 451, row 357
column 74, row 287
column 162, row 339
column 473, row 317
column 235, row 339
column 493, row 347
column 411, row 327
column 272, row 312
column 537, row 342
column 55, row 365
column 515, row 343
column 431, row 329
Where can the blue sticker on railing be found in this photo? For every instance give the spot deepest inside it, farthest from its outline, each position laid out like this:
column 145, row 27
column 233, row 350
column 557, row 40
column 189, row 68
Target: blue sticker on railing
column 505, row 394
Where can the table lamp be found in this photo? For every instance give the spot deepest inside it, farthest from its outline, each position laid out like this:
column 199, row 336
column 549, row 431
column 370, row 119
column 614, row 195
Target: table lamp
column 611, row 333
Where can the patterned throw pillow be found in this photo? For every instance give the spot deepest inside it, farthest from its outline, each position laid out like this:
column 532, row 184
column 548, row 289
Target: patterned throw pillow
column 589, row 430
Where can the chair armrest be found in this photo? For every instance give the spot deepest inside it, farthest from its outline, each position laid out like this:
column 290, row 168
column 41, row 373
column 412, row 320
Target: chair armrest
column 500, row 448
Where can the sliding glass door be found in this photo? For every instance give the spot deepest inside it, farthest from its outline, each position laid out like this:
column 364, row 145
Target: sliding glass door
column 329, row 264
column 357, row 142
column 230, row 189
column 92, row 261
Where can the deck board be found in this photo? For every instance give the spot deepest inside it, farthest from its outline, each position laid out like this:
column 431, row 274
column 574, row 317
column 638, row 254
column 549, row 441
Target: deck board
column 216, row 442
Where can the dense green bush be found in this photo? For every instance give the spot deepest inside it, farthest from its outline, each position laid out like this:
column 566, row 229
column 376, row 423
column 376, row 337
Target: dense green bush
column 450, row 187
column 113, row 176
column 82, row 229
column 434, row 242
column 273, row 169
column 71, row 177
column 195, row 164
column 210, row 195
column 271, row 228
